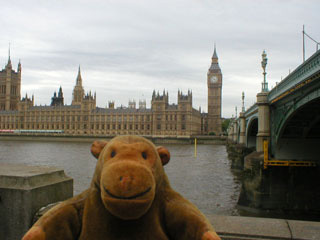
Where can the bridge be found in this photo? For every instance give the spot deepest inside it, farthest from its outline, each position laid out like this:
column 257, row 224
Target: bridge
column 283, row 130
column 288, row 116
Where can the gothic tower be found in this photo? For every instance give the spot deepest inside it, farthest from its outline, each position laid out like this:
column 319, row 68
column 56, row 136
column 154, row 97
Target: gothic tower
column 57, row 100
column 78, row 91
column 159, row 105
column 10, row 87
column 214, row 80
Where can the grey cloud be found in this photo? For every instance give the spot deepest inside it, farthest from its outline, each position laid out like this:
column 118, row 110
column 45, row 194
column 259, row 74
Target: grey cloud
column 128, row 48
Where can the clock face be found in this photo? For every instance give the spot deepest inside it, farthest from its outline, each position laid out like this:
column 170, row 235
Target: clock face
column 213, row 79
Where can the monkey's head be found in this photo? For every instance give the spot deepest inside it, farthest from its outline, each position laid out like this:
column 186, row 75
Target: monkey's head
column 128, row 170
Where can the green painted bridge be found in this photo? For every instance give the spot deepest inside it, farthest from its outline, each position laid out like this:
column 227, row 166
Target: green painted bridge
column 288, row 116
column 282, row 128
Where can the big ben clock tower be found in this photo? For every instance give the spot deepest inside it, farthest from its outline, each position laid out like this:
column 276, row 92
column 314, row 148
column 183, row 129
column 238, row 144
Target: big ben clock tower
column 214, row 79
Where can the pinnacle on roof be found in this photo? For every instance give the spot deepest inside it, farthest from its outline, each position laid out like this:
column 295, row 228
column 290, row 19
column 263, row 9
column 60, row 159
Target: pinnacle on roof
column 215, row 55
column 9, row 59
column 215, row 62
column 19, row 65
column 79, row 79
column 60, row 93
column 9, row 53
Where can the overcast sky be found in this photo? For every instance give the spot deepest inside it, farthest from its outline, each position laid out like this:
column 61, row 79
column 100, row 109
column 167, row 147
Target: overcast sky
column 127, row 49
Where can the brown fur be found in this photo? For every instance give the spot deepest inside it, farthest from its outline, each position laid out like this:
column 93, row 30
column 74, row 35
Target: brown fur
column 130, row 198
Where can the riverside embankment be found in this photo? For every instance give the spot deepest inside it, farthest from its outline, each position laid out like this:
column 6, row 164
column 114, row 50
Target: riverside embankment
column 210, row 140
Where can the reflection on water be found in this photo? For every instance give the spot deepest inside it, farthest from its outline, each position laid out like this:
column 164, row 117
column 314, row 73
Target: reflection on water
column 206, row 180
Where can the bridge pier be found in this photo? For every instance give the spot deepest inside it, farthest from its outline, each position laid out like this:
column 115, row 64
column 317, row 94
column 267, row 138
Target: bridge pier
column 235, row 133
column 264, row 120
column 236, row 153
column 293, row 190
column 242, row 137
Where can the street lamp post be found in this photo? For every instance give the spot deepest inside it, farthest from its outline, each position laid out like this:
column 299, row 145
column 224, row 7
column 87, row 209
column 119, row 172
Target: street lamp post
column 243, row 108
column 263, row 65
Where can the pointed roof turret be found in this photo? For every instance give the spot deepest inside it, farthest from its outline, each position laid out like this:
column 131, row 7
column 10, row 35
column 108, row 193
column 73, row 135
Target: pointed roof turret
column 214, row 62
column 60, row 93
column 19, row 66
column 78, row 91
column 9, row 65
column 79, row 79
column 215, row 55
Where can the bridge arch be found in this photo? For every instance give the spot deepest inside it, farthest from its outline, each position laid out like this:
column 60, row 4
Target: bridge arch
column 251, row 132
column 299, row 131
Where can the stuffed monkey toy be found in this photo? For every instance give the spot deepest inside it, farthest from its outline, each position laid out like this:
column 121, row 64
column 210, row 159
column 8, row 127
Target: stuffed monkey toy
column 130, row 197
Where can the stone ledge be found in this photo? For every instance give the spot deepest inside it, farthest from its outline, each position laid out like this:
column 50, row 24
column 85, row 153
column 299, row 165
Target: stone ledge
column 25, row 177
column 23, row 190
column 304, row 229
column 249, row 228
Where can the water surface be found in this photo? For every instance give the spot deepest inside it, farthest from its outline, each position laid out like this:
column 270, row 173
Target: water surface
column 206, row 180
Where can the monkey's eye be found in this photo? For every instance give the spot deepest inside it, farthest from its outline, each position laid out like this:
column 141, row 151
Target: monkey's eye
column 144, row 155
column 113, row 153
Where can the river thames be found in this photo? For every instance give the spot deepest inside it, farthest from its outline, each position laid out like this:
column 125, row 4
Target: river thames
column 206, row 180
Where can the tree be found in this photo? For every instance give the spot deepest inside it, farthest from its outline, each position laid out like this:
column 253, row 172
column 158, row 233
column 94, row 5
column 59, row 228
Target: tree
column 225, row 125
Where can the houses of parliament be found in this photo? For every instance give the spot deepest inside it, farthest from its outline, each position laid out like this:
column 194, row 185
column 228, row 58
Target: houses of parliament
column 83, row 117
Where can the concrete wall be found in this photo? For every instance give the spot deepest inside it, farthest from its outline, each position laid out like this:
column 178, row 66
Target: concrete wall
column 289, row 189
column 23, row 190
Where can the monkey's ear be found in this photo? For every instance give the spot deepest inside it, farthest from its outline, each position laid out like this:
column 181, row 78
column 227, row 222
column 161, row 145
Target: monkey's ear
column 97, row 147
column 164, row 155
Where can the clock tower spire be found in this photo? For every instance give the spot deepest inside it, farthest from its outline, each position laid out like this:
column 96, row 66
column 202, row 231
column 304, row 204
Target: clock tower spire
column 214, row 81
column 78, row 91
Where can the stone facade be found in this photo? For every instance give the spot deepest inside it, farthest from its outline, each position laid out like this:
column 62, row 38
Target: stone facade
column 83, row 117
column 10, row 87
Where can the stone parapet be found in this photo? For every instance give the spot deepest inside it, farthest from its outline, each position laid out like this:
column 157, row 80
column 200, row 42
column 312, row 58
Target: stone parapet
column 24, row 190
column 251, row 228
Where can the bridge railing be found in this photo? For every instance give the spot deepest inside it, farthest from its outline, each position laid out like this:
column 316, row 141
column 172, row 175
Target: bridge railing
column 250, row 110
column 310, row 67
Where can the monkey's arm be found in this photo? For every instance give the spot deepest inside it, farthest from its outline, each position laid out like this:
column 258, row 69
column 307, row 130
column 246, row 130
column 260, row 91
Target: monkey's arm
column 185, row 221
column 62, row 222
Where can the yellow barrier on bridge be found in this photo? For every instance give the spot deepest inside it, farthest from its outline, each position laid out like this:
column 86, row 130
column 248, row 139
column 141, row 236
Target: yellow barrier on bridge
column 284, row 163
